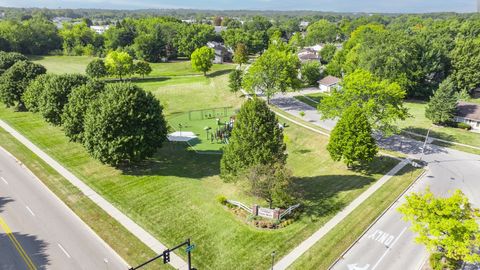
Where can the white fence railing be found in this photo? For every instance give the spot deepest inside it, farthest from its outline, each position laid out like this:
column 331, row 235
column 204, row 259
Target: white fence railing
column 289, row 210
column 241, row 205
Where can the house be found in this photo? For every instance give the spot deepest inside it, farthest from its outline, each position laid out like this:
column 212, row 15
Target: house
column 100, row 29
column 308, row 54
column 222, row 53
column 328, row 83
column 469, row 113
column 220, row 29
column 304, row 24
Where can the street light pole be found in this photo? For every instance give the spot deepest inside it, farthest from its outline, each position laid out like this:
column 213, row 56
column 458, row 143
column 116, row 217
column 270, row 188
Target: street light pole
column 273, row 259
column 425, row 143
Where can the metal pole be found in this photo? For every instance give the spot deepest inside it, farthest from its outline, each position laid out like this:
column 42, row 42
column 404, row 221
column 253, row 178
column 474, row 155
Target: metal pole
column 425, row 143
column 273, row 259
column 189, row 255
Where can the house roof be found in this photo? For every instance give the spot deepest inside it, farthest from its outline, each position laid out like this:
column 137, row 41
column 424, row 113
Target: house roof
column 308, row 56
column 329, row 81
column 468, row 110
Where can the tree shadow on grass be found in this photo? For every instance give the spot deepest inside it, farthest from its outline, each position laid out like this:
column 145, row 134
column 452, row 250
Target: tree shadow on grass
column 219, row 73
column 35, row 248
column 319, row 194
column 176, row 160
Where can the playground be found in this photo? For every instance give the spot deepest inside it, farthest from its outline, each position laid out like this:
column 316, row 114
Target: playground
column 206, row 130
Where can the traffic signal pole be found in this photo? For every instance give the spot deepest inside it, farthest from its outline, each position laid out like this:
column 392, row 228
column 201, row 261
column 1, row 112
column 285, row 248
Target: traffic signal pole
column 166, row 255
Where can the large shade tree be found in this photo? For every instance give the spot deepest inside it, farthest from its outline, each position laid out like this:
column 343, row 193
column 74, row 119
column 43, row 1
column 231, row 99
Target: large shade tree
column 274, row 71
column 119, row 64
column 125, row 124
column 380, row 100
column 442, row 106
column 202, row 59
column 256, row 139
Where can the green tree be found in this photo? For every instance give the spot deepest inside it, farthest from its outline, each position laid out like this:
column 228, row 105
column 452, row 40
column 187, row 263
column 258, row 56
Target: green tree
column 124, row 124
column 151, row 46
column 202, row 59
column 74, row 111
column 79, row 38
column 270, row 182
column 274, row 71
column 119, row 64
column 96, row 69
column 31, row 96
column 8, row 59
column 442, row 106
column 54, row 95
column 15, row 81
column 311, row 72
column 297, row 41
column 448, row 225
column 256, row 139
column 327, row 53
column 235, row 80
column 466, row 64
column 193, row 36
column 380, row 100
column 143, row 68
column 240, row 55
column 351, row 140
column 321, row 31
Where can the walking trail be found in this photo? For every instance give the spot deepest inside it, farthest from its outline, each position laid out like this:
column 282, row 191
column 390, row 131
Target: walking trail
column 130, row 225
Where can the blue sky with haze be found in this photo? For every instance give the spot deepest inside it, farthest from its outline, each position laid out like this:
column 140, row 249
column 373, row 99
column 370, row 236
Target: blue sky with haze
column 416, row 6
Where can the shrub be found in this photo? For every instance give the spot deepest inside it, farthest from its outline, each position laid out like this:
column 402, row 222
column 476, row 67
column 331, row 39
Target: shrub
column 436, row 261
column 464, row 126
column 222, row 199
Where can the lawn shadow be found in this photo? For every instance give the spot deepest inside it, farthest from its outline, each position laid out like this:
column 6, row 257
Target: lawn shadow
column 35, row 248
column 138, row 79
column 219, row 73
column 410, row 146
column 175, row 159
column 319, row 194
column 4, row 201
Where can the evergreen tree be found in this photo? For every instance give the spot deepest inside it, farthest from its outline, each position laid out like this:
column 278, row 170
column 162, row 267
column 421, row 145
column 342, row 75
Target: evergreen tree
column 442, row 106
column 240, row 55
column 351, row 140
column 235, row 80
column 256, row 139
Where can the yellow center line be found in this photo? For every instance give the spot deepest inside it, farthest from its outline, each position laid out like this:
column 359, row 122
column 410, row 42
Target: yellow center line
column 16, row 244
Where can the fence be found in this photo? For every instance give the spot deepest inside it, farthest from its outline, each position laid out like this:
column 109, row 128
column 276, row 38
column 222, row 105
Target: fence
column 241, row 205
column 289, row 210
column 209, row 113
column 276, row 214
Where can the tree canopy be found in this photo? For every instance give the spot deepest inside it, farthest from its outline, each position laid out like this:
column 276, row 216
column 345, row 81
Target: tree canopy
column 321, row 31
column 119, row 64
column 202, row 59
column 442, row 106
column 256, row 139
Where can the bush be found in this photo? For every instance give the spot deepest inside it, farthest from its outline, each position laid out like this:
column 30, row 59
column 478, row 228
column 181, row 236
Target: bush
column 436, row 261
column 96, row 69
column 464, row 126
column 222, row 199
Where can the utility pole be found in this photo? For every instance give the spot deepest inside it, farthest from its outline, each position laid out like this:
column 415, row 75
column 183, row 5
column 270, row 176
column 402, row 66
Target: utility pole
column 426, row 140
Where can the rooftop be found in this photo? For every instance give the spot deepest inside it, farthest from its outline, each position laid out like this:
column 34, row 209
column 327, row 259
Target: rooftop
column 468, row 110
column 329, row 80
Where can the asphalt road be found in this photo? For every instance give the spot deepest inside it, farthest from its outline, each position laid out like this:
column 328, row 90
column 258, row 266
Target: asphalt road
column 38, row 231
column 389, row 244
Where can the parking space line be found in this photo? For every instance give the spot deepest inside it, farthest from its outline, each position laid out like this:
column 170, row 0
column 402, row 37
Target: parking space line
column 64, row 251
column 30, row 210
column 3, row 179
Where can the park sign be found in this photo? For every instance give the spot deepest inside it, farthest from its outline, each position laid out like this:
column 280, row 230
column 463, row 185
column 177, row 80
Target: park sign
column 267, row 212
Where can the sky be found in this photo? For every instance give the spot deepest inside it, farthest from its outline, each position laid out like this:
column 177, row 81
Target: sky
column 391, row 6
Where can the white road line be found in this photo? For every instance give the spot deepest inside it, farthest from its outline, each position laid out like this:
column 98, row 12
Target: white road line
column 30, row 210
column 3, row 179
column 388, row 249
column 64, row 251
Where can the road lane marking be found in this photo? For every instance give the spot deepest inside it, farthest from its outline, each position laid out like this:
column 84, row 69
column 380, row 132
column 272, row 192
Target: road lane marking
column 16, row 244
column 388, row 249
column 3, row 179
column 64, row 251
column 382, row 237
column 30, row 210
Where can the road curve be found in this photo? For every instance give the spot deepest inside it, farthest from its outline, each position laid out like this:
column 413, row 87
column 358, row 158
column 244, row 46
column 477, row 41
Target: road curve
column 38, row 231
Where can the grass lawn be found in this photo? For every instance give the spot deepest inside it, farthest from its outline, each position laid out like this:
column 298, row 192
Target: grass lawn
column 172, row 195
column 311, row 99
column 329, row 248
column 78, row 64
column 420, row 124
column 121, row 240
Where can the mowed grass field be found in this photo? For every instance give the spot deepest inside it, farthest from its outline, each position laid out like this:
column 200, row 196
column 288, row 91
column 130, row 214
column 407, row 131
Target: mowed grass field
column 172, row 195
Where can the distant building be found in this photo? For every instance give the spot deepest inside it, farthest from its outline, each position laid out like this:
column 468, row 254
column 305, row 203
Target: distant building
column 222, row 53
column 219, row 29
column 317, row 48
column 304, row 24
column 308, row 54
column 469, row 113
column 328, row 83
column 189, row 21
column 100, row 29
column 59, row 21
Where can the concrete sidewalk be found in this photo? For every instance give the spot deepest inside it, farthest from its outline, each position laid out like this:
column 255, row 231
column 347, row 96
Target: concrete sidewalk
column 291, row 257
column 130, row 225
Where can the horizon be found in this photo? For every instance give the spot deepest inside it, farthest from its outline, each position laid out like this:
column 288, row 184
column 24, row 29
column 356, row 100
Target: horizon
column 343, row 6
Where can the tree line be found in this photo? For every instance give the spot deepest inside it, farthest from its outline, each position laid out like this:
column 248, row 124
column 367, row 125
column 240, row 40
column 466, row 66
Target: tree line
column 117, row 123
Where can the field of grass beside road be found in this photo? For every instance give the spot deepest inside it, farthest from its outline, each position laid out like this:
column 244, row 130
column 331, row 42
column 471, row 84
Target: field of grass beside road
column 172, row 195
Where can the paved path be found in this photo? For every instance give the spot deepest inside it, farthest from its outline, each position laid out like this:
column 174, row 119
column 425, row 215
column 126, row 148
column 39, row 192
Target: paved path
column 38, row 231
column 129, row 224
column 309, row 242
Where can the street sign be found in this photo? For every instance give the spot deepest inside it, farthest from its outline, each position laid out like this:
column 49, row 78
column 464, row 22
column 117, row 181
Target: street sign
column 190, row 248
